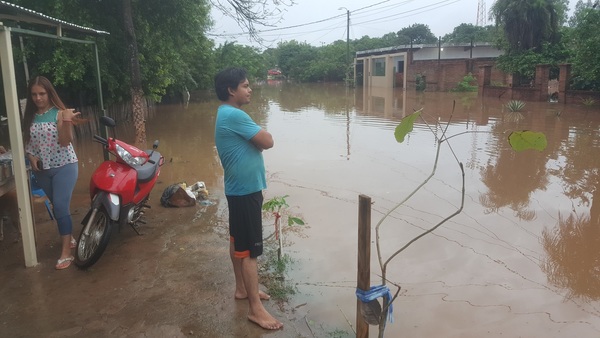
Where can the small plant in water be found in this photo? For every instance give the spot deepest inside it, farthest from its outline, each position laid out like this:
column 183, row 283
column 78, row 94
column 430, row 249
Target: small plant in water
column 277, row 206
column 515, row 106
column 272, row 272
column 588, row 101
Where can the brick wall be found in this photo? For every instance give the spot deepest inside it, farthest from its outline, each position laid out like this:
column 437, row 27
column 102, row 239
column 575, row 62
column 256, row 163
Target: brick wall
column 444, row 75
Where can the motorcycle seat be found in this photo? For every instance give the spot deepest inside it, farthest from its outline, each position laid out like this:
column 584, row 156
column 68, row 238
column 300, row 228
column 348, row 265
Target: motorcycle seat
column 147, row 171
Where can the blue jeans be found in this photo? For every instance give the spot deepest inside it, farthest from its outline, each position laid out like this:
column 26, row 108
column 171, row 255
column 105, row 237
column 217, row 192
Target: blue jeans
column 58, row 184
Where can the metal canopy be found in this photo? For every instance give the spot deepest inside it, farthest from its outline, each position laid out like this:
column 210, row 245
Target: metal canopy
column 13, row 14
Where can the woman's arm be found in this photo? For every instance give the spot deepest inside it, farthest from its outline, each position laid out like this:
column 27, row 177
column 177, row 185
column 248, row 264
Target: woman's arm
column 65, row 126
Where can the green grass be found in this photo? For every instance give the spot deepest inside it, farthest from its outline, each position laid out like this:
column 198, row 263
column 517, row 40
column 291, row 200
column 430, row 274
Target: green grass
column 272, row 271
column 338, row 334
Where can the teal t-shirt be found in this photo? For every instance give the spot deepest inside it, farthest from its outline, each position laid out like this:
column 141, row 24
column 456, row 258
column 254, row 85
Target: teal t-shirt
column 243, row 164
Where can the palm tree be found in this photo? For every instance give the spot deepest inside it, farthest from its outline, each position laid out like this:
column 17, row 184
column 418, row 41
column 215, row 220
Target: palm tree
column 528, row 24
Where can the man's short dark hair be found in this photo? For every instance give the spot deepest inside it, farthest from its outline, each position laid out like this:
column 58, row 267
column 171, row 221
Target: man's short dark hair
column 228, row 78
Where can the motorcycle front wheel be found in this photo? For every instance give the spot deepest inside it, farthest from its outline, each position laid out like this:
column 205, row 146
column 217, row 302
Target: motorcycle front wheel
column 93, row 239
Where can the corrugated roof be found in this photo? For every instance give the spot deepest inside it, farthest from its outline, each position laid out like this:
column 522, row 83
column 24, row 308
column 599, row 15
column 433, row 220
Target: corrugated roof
column 16, row 13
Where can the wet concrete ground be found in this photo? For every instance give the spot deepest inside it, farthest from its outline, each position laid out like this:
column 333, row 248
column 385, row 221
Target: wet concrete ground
column 173, row 281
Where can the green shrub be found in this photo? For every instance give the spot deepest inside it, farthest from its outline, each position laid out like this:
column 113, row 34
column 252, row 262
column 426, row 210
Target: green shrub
column 420, row 83
column 588, row 101
column 465, row 85
column 515, row 105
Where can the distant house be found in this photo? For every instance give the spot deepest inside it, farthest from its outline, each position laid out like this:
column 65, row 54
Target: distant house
column 441, row 66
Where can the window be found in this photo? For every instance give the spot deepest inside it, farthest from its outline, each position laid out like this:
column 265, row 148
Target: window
column 379, row 67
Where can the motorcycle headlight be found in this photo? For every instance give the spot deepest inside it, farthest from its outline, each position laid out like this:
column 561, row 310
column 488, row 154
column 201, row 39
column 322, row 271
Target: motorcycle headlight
column 128, row 158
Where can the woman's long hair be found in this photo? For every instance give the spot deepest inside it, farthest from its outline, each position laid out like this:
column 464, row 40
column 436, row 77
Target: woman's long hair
column 31, row 108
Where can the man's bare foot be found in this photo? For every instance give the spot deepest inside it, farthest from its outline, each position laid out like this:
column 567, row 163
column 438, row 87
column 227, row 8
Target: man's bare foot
column 265, row 320
column 261, row 294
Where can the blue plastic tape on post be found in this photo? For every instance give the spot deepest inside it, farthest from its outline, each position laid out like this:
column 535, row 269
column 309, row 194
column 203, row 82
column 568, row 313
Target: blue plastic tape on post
column 374, row 293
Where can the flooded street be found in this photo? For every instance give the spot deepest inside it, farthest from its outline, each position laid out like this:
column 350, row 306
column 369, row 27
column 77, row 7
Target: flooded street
column 522, row 259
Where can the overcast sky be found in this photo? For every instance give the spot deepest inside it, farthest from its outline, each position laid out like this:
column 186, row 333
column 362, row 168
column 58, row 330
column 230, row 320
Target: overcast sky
column 319, row 22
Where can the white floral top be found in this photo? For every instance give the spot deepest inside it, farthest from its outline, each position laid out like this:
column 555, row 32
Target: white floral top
column 44, row 141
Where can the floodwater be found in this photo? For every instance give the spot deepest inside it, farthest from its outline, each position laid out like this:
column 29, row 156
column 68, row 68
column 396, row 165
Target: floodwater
column 520, row 260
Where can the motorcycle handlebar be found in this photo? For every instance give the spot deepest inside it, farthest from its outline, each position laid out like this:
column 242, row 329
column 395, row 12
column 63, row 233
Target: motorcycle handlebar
column 100, row 139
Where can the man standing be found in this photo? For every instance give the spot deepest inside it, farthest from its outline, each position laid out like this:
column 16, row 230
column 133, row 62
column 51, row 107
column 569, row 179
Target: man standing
column 240, row 142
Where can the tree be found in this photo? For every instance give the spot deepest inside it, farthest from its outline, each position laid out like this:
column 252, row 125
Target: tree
column 531, row 35
column 230, row 54
column 330, row 63
column 417, row 33
column 137, row 94
column 523, row 63
column 527, row 24
column 466, row 33
column 176, row 53
column 388, row 40
column 248, row 13
column 584, row 43
column 295, row 58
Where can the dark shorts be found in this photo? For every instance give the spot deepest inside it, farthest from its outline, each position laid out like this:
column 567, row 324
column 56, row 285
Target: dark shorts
column 245, row 224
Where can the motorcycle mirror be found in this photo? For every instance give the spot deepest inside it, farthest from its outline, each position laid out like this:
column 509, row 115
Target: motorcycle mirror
column 155, row 144
column 107, row 121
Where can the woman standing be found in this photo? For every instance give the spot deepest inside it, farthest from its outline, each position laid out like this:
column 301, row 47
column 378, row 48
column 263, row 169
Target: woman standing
column 48, row 134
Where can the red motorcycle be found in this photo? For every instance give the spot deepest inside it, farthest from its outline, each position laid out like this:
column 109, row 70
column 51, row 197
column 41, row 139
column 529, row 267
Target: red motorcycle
column 119, row 191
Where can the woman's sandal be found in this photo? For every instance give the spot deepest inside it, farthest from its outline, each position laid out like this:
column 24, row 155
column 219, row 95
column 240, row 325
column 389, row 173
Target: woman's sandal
column 64, row 263
column 73, row 243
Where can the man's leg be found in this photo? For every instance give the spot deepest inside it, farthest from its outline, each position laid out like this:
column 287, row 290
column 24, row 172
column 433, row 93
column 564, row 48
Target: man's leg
column 240, row 288
column 257, row 312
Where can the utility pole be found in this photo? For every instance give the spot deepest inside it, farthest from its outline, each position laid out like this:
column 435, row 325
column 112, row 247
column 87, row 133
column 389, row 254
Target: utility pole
column 347, row 41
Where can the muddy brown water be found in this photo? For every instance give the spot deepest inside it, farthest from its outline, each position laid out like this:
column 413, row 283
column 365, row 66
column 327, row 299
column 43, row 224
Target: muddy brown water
column 520, row 260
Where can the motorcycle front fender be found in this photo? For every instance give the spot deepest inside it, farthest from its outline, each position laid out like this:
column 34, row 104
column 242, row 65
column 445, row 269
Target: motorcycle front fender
column 111, row 203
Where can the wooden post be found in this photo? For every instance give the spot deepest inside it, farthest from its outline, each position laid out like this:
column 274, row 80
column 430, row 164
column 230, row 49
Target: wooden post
column 364, row 259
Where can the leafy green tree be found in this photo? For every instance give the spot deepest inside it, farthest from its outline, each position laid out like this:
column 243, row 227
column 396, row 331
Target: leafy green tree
column 65, row 63
column 388, row 40
column 176, row 53
column 270, row 57
column 523, row 63
column 418, row 33
column 329, row 65
column 527, row 24
column 295, row 58
column 173, row 52
column 249, row 58
column 584, row 43
column 466, row 32
column 367, row 43
column 531, row 35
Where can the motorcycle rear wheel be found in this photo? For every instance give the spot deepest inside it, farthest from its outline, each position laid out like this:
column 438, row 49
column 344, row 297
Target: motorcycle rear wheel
column 90, row 246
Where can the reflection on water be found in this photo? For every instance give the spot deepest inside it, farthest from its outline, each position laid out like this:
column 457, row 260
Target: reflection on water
column 500, row 268
column 573, row 260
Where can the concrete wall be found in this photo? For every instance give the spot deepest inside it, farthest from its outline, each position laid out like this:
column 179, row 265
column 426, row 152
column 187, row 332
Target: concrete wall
column 449, row 52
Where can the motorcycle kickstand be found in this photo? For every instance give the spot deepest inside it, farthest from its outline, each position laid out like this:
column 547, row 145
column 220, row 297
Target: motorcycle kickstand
column 134, row 227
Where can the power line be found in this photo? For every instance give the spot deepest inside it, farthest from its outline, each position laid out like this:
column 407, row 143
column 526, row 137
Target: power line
column 357, row 14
